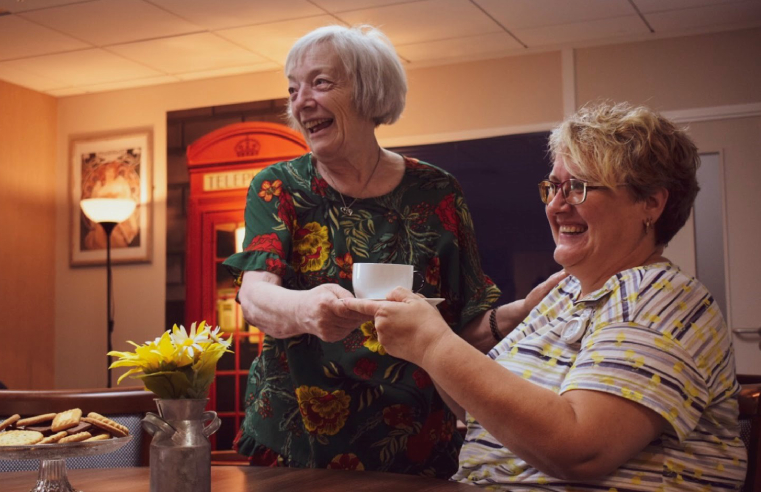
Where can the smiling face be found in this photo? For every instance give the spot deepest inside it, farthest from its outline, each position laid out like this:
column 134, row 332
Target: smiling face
column 600, row 237
column 321, row 104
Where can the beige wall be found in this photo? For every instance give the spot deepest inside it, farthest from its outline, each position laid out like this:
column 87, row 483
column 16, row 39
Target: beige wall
column 470, row 100
column 672, row 74
column 27, row 215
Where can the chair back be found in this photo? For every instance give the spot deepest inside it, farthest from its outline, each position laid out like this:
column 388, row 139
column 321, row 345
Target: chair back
column 126, row 406
column 750, row 432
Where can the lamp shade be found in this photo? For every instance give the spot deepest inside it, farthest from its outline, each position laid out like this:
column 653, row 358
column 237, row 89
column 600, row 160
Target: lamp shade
column 108, row 209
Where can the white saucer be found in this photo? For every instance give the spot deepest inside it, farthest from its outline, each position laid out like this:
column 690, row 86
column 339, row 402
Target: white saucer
column 433, row 301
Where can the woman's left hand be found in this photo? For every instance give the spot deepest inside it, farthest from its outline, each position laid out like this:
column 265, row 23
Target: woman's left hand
column 407, row 326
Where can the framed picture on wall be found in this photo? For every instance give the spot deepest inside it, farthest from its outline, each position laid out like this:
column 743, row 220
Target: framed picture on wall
column 115, row 165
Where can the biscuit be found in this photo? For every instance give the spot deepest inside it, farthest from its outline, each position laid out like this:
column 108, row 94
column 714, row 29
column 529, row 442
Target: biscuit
column 38, row 419
column 9, row 421
column 105, row 423
column 81, row 436
column 45, row 429
column 67, row 419
column 54, row 438
column 81, row 427
column 99, row 437
column 19, row 438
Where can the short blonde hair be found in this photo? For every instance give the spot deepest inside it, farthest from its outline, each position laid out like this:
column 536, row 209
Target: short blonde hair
column 369, row 62
column 620, row 144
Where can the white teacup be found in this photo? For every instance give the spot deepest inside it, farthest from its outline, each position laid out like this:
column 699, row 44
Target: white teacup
column 376, row 280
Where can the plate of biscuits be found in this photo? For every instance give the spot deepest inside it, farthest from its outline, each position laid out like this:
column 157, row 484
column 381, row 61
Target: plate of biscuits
column 60, row 435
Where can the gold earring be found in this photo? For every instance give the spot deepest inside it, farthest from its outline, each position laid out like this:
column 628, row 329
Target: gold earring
column 648, row 224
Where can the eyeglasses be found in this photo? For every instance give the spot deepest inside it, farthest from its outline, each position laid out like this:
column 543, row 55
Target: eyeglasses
column 574, row 191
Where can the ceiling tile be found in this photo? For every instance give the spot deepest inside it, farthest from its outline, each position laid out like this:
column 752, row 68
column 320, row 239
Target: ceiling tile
column 275, row 40
column 20, row 38
column 11, row 74
column 113, row 86
column 334, row 6
column 596, row 30
column 224, row 72
column 460, row 48
column 94, row 66
column 428, row 20
column 105, row 22
column 194, row 52
column 24, row 5
column 712, row 16
column 646, row 6
column 523, row 14
column 236, row 13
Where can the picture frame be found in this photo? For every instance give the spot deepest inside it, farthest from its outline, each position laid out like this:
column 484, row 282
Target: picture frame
column 113, row 165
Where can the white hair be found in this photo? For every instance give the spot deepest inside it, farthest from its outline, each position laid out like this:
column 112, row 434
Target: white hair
column 369, row 62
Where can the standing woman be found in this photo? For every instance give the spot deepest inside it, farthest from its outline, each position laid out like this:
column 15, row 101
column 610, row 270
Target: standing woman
column 324, row 392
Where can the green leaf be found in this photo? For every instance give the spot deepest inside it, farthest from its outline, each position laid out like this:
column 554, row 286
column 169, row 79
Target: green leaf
column 171, row 385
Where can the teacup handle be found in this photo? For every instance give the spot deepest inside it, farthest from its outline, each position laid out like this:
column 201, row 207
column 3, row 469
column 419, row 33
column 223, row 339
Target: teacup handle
column 418, row 274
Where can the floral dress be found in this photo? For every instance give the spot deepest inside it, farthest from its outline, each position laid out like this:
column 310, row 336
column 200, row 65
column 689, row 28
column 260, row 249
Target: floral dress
column 349, row 404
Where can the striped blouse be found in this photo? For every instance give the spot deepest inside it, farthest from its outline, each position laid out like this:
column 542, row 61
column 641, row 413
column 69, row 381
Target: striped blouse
column 650, row 334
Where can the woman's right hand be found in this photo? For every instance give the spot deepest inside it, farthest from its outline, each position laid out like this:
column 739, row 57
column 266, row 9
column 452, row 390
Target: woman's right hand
column 283, row 313
column 324, row 315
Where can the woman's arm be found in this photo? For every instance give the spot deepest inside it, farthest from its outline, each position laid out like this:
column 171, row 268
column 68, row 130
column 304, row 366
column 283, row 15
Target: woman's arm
column 577, row 435
column 478, row 332
column 282, row 313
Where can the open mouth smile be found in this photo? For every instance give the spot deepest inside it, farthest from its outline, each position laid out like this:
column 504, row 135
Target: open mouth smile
column 314, row 126
column 571, row 229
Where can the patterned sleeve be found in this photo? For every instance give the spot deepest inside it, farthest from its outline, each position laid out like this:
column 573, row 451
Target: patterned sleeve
column 270, row 216
column 658, row 354
column 465, row 282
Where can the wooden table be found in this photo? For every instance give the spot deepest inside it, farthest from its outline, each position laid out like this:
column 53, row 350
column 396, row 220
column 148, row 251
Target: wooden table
column 245, row 479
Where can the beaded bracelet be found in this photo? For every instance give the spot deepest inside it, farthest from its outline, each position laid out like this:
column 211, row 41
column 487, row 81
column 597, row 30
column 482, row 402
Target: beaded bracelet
column 493, row 325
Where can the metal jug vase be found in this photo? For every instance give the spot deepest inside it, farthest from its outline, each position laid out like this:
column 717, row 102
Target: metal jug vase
column 180, row 450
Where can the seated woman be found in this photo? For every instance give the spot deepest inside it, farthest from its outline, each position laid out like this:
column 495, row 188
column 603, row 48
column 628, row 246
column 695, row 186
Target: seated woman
column 623, row 377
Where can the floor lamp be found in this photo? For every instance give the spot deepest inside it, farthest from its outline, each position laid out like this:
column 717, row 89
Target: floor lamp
column 108, row 212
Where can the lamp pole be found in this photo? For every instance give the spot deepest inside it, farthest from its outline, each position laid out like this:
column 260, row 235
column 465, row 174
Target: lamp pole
column 109, row 228
column 108, row 212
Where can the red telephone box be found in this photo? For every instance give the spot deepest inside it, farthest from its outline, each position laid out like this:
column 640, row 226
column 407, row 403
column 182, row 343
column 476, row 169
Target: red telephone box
column 221, row 165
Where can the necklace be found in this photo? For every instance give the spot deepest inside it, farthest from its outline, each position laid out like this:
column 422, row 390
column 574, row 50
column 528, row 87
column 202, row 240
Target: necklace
column 346, row 209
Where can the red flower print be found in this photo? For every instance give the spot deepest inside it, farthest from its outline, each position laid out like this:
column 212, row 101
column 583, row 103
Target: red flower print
column 447, row 429
column 319, row 185
column 345, row 265
column 266, row 242
column 274, row 265
column 398, row 416
column 346, row 461
column 433, row 271
column 365, row 368
column 447, row 214
column 270, row 189
column 422, row 379
column 283, row 360
column 420, row 445
column 264, row 407
column 286, row 211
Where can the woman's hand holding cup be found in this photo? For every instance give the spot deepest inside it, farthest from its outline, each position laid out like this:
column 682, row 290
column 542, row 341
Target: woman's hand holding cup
column 407, row 325
column 325, row 316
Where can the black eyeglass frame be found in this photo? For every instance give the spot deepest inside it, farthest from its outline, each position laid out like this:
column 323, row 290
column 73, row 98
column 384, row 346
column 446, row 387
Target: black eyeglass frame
column 551, row 185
